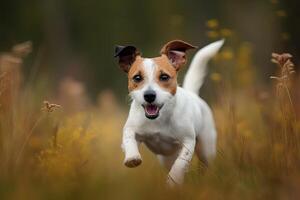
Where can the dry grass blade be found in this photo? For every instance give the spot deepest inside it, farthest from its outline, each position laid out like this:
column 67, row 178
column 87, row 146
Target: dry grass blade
column 23, row 49
column 50, row 107
column 286, row 69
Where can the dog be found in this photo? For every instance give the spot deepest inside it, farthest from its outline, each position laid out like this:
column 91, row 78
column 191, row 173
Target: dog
column 172, row 121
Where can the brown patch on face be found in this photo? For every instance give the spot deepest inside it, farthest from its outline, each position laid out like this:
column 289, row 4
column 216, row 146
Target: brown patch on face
column 136, row 69
column 164, row 67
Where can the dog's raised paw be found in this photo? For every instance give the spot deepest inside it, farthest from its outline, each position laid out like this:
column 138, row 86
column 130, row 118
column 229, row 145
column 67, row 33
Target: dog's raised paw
column 133, row 161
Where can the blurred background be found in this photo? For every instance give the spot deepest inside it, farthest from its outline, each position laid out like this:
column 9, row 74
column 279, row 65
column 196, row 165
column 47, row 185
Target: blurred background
column 63, row 98
column 76, row 38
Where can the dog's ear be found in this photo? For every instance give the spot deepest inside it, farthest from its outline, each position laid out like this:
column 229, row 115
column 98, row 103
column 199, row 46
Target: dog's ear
column 126, row 55
column 175, row 50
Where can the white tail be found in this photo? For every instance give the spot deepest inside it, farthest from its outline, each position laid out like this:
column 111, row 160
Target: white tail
column 195, row 75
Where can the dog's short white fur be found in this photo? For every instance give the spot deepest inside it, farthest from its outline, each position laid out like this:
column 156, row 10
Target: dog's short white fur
column 185, row 124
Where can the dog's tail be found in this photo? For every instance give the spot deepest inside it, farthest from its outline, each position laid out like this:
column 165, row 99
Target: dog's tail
column 195, row 75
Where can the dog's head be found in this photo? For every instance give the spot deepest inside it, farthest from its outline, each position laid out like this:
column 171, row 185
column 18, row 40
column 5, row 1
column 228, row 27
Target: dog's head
column 152, row 82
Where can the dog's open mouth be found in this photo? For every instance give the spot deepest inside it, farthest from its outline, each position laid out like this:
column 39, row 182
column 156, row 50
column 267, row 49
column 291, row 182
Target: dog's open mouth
column 151, row 111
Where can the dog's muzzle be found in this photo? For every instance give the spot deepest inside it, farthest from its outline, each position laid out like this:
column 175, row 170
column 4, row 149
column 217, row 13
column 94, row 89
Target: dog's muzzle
column 151, row 110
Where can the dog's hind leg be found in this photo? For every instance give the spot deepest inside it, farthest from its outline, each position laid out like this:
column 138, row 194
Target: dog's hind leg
column 206, row 146
column 206, row 138
column 200, row 155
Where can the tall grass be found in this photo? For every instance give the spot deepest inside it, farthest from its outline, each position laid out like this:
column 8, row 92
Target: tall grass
column 51, row 151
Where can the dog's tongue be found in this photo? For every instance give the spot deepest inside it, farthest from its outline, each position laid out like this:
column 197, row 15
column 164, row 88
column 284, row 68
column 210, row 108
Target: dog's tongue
column 151, row 109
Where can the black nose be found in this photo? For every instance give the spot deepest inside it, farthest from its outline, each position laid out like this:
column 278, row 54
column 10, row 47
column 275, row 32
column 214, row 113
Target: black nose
column 149, row 96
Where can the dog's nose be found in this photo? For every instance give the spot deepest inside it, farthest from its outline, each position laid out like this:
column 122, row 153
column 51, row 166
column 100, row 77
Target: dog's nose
column 150, row 96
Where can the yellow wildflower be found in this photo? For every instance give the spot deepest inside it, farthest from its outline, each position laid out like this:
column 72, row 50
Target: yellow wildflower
column 227, row 54
column 212, row 34
column 216, row 77
column 212, row 23
column 281, row 13
column 225, row 32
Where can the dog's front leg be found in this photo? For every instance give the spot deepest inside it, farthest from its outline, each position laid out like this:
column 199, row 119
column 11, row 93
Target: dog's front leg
column 181, row 164
column 130, row 148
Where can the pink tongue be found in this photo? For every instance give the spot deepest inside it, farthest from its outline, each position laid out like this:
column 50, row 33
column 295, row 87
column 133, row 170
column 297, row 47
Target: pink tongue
column 151, row 109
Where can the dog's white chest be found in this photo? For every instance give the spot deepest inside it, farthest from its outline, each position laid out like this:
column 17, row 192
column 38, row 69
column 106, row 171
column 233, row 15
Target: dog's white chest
column 159, row 143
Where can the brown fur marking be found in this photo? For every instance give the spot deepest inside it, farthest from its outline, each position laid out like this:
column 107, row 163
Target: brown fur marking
column 135, row 69
column 164, row 67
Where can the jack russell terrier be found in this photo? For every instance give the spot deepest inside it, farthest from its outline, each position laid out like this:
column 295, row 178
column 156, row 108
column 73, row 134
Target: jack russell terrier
column 172, row 121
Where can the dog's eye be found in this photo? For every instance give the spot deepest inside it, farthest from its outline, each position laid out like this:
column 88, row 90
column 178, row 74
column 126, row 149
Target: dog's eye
column 137, row 78
column 164, row 77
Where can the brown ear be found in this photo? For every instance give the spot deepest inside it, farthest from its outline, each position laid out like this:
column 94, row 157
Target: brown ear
column 126, row 55
column 175, row 50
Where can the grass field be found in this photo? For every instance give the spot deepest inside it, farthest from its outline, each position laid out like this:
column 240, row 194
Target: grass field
column 68, row 148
